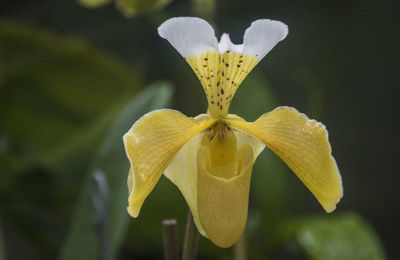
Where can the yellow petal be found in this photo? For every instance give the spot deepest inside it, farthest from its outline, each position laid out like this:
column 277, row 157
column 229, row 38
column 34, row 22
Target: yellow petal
column 220, row 75
column 223, row 203
column 182, row 171
column 304, row 146
column 150, row 145
column 243, row 138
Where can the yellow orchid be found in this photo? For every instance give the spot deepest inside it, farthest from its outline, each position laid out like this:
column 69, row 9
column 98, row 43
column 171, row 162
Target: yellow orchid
column 210, row 157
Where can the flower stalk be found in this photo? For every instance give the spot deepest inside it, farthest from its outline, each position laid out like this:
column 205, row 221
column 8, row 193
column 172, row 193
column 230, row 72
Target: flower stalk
column 240, row 249
column 170, row 239
column 191, row 239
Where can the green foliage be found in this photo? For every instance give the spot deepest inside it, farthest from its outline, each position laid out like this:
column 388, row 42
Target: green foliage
column 94, row 3
column 345, row 236
column 62, row 86
column 57, row 99
column 129, row 8
column 254, row 97
column 135, row 7
column 204, row 8
column 82, row 241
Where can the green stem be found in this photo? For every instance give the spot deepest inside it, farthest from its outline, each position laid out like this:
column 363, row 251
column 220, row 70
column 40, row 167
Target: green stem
column 239, row 249
column 191, row 239
column 170, row 239
column 2, row 247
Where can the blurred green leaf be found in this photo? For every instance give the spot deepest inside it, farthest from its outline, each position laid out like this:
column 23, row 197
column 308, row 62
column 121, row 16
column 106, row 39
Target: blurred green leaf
column 81, row 242
column 204, row 8
column 53, row 88
column 345, row 236
column 57, row 97
column 313, row 88
column 253, row 98
column 94, row 3
column 132, row 8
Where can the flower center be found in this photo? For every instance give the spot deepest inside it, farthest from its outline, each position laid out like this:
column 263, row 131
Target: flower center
column 220, row 75
column 220, row 142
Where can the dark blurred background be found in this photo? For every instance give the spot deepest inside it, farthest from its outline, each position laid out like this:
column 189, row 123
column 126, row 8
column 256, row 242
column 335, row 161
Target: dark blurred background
column 70, row 74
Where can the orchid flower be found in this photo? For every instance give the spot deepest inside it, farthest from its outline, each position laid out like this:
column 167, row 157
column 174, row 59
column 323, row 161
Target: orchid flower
column 210, row 157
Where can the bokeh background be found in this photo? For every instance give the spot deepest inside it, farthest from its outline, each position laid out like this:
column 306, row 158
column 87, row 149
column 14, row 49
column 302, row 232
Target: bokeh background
column 74, row 76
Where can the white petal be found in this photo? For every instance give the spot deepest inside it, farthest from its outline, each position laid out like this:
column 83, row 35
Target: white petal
column 189, row 35
column 262, row 36
column 225, row 44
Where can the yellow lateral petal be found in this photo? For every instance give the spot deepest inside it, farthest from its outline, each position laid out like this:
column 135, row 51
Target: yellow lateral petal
column 243, row 138
column 304, row 146
column 182, row 171
column 150, row 145
column 223, row 203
